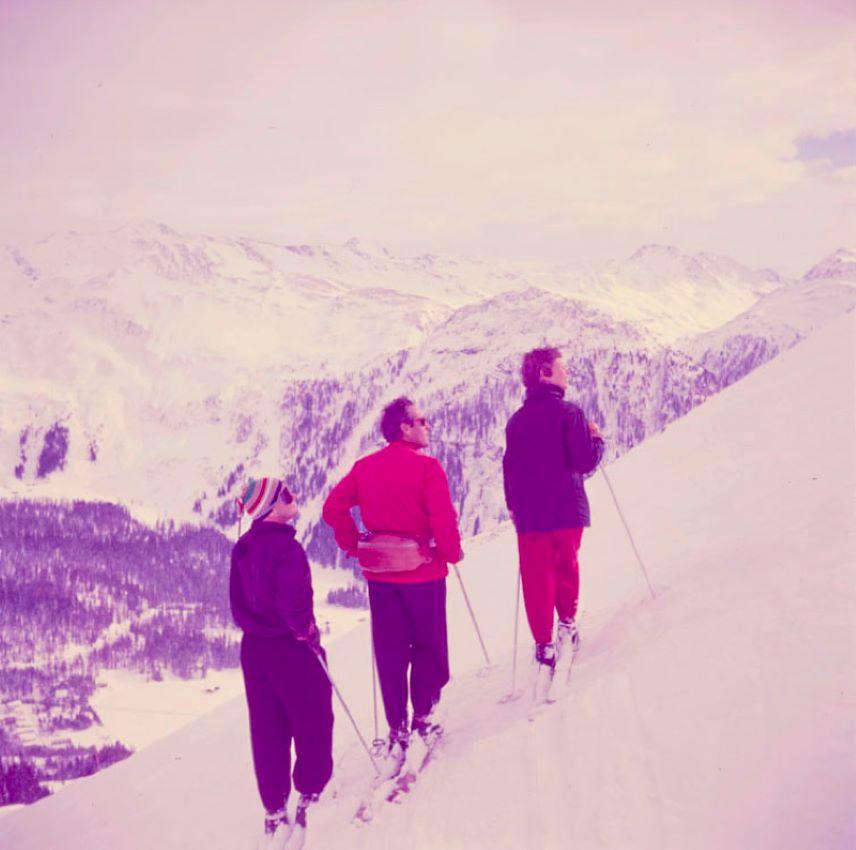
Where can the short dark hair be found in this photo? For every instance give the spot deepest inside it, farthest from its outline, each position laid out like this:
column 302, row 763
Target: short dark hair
column 393, row 415
column 536, row 363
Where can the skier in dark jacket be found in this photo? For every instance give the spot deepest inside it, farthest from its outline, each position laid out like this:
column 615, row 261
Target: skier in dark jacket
column 288, row 693
column 549, row 448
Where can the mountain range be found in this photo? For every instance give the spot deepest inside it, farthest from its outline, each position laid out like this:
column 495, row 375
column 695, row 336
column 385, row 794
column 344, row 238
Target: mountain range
column 158, row 369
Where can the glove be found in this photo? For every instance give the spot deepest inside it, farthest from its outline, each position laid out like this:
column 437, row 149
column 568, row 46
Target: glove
column 312, row 639
column 594, row 430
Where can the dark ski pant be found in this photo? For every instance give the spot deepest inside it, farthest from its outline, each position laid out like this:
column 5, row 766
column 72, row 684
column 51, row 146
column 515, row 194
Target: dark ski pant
column 409, row 631
column 289, row 698
column 550, row 574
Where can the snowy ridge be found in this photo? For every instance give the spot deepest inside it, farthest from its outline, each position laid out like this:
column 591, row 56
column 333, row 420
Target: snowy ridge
column 778, row 320
column 675, row 294
column 840, row 266
column 719, row 715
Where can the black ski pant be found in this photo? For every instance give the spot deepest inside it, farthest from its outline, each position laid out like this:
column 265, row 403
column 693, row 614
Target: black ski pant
column 289, row 699
column 409, row 631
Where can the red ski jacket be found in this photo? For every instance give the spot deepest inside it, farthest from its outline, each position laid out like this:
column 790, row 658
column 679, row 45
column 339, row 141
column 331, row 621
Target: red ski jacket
column 402, row 492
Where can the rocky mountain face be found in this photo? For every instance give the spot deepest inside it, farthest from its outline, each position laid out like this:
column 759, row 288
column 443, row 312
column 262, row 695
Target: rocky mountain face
column 159, row 370
column 466, row 377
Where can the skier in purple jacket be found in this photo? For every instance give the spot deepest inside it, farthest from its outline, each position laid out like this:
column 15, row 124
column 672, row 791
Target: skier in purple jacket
column 549, row 449
column 288, row 693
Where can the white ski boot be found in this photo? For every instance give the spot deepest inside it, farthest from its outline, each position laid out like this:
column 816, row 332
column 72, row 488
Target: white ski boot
column 396, row 753
column 545, row 656
column 278, row 830
column 298, row 835
column 568, row 636
column 427, row 728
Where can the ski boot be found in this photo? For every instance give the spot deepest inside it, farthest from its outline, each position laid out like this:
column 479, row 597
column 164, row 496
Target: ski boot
column 396, row 752
column 568, row 635
column 278, row 830
column 298, row 836
column 545, row 656
column 428, row 730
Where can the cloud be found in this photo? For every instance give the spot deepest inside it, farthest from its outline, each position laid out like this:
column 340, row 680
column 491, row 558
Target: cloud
column 838, row 149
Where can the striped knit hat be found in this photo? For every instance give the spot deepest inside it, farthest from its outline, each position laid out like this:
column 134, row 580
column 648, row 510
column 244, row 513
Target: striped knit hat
column 260, row 496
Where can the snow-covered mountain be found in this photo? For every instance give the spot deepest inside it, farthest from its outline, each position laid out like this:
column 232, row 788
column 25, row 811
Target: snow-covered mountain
column 673, row 294
column 778, row 320
column 838, row 267
column 466, row 375
column 718, row 715
column 157, row 369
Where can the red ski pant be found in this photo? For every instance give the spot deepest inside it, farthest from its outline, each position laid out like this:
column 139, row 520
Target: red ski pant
column 551, row 577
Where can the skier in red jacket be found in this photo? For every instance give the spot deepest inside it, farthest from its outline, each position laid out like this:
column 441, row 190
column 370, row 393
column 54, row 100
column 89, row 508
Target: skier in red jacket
column 405, row 504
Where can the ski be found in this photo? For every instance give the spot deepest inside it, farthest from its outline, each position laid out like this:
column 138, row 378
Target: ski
column 539, row 707
column 365, row 811
column 379, row 791
column 560, row 667
column 563, row 675
column 381, row 788
column 296, row 840
column 408, row 776
column 392, row 790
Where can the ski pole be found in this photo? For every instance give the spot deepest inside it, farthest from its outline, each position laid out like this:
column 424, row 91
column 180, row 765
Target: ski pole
column 627, row 529
column 514, row 651
column 472, row 614
column 374, row 690
column 326, row 669
column 378, row 742
column 240, row 506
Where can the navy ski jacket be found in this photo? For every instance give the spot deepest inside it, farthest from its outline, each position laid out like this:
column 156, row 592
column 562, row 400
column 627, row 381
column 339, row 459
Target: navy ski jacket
column 548, row 450
column 270, row 585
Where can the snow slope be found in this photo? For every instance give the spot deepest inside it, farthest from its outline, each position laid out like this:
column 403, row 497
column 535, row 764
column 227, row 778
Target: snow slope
column 718, row 716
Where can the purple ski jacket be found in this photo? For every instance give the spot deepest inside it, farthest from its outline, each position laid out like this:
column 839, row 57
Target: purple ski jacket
column 270, row 585
column 548, row 449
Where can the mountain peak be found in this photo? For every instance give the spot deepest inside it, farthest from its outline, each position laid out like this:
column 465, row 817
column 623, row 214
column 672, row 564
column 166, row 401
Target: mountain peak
column 365, row 249
column 653, row 249
column 145, row 228
column 840, row 265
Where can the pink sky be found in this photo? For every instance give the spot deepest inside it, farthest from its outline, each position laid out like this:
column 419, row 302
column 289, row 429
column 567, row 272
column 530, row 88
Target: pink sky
column 552, row 131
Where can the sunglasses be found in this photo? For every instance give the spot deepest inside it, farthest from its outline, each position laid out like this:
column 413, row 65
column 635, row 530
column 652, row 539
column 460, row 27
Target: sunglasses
column 420, row 420
column 285, row 495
